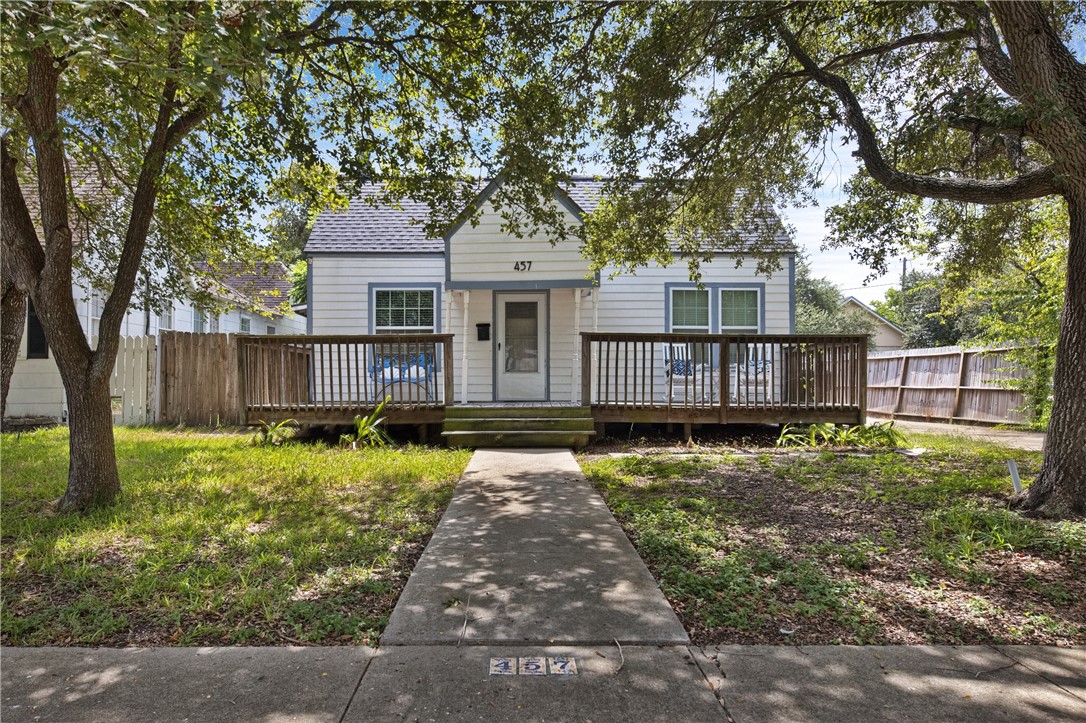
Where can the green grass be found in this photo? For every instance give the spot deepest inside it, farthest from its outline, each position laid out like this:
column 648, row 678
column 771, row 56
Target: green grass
column 215, row 542
column 868, row 548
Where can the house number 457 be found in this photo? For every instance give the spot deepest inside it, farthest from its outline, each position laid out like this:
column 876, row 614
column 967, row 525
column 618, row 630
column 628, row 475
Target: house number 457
column 522, row 266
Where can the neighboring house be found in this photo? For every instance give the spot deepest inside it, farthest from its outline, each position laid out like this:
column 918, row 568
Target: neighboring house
column 256, row 298
column 888, row 335
column 519, row 304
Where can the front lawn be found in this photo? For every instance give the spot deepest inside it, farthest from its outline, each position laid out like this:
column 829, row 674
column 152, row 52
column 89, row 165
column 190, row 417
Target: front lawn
column 833, row 547
column 212, row 542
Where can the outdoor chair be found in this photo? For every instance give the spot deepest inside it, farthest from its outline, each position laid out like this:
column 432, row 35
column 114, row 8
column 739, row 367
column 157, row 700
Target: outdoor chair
column 392, row 373
column 687, row 374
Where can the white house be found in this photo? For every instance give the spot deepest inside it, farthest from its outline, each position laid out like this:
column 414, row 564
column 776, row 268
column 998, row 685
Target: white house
column 517, row 306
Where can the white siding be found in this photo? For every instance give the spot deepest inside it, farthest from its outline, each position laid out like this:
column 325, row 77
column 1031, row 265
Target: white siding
column 637, row 303
column 485, row 253
column 340, row 305
column 340, row 287
column 36, row 389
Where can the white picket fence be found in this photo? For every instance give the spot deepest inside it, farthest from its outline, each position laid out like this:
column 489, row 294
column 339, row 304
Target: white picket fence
column 132, row 386
column 37, row 390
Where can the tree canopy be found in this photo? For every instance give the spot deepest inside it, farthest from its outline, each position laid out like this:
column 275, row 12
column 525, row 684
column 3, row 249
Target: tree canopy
column 173, row 115
column 958, row 113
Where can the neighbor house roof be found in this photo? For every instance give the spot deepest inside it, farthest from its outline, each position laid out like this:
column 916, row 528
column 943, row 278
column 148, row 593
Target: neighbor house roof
column 872, row 312
column 261, row 286
column 369, row 225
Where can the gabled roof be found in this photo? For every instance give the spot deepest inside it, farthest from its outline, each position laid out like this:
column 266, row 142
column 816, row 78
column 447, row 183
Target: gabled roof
column 369, row 226
column 264, row 286
column 872, row 312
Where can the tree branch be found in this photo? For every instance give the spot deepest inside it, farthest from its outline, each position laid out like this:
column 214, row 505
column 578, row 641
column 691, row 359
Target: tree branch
column 1021, row 188
column 989, row 49
column 934, row 36
column 22, row 248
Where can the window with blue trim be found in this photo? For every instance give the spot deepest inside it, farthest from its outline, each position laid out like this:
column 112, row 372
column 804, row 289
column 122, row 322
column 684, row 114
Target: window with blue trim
column 690, row 311
column 403, row 311
column 740, row 311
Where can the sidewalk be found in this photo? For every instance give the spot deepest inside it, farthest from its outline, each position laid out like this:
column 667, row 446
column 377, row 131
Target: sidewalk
column 527, row 562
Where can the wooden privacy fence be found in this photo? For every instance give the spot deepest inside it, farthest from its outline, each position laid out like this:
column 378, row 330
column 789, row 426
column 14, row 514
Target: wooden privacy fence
column 723, row 378
column 950, row 383
column 198, row 378
column 330, row 379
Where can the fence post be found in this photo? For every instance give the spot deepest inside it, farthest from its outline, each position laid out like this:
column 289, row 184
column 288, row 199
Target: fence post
column 243, row 413
column 958, row 391
column 901, row 385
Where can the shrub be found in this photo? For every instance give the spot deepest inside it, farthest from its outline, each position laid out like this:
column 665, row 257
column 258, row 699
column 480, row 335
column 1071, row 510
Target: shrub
column 368, row 431
column 880, row 434
column 273, row 435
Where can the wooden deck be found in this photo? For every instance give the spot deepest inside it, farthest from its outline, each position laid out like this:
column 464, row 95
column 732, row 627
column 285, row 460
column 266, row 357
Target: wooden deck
column 684, row 378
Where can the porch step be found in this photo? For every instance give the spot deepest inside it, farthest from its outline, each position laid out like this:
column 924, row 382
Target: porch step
column 528, row 426
column 519, row 438
column 519, row 424
column 499, row 412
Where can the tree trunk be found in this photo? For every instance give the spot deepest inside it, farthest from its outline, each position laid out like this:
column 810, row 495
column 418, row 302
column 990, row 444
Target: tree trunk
column 1061, row 486
column 12, row 323
column 92, row 470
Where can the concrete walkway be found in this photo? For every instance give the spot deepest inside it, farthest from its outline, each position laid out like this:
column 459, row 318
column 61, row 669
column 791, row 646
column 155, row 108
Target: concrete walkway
column 528, row 563
column 528, row 553
column 1015, row 439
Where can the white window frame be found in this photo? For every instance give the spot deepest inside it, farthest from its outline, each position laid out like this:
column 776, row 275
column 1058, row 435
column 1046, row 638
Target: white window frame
column 388, row 329
column 757, row 326
column 165, row 319
column 691, row 329
column 245, row 326
column 214, row 323
column 199, row 322
column 271, row 330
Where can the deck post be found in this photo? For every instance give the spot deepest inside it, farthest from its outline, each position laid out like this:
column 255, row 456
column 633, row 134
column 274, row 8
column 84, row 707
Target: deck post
column 586, row 370
column 450, row 378
column 861, row 377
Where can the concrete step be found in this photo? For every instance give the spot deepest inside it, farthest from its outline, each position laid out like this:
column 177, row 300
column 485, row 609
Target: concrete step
column 551, row 424
column 518, row 438
column 499, row 412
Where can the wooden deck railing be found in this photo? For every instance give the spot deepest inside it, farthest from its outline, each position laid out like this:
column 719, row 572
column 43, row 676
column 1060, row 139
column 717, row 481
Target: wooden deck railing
column 330, row 379
column 724, row 378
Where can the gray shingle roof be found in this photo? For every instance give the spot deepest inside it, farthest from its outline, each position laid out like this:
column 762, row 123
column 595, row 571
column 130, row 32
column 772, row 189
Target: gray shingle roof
column 366, row 228
column 382, row 228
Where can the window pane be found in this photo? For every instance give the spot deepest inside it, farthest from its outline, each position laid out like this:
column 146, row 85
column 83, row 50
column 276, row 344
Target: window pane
column 404, row 310
column 36, row 346
column 521, row 336
column 739, row 309
column 690, row 310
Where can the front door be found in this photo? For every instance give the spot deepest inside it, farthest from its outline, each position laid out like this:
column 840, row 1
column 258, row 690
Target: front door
column 521, row 346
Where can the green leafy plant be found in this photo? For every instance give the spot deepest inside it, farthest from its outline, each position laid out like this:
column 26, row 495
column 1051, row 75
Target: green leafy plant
column 273, row 435
column 880, row 434
column 369, row 431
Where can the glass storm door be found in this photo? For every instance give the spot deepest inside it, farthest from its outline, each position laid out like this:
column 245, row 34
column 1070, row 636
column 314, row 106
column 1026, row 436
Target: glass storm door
column 521, row 347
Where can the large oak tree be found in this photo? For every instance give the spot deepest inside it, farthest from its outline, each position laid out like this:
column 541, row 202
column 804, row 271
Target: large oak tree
column 955, row 111
column 141, row 134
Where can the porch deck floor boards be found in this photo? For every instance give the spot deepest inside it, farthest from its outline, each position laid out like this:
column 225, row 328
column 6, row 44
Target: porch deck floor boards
column 527, row 553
